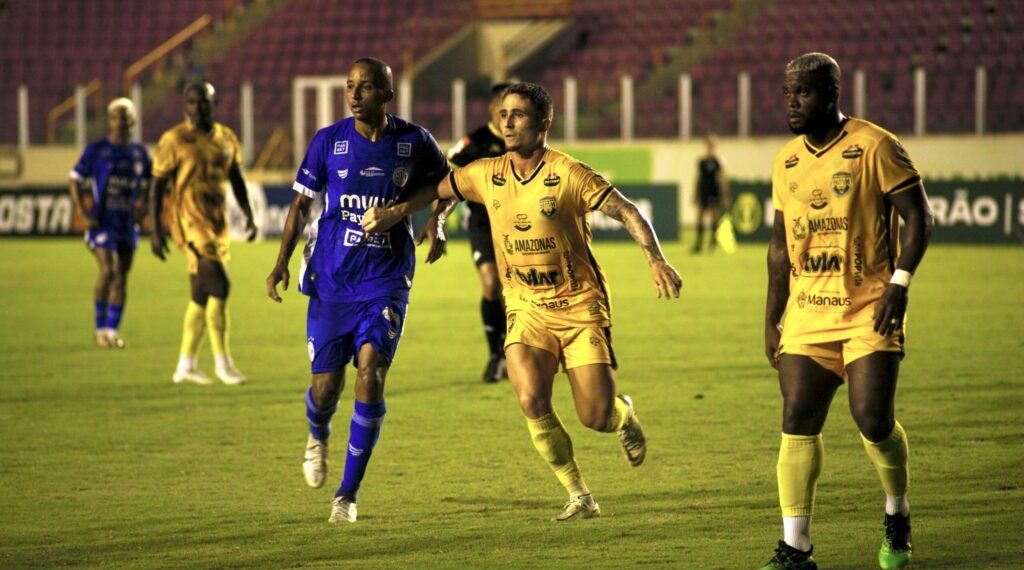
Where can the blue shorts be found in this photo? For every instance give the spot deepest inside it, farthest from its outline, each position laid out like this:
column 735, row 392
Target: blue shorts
column 108, row 238
column 336, row 331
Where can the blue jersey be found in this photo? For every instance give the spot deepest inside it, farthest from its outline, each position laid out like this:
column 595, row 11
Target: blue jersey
column 351, row 174
column 117, row 175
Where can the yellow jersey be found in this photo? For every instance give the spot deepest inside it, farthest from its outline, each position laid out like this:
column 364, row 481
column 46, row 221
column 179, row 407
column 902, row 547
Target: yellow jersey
column 200, row 164
column 842, row 233
column 540, row 228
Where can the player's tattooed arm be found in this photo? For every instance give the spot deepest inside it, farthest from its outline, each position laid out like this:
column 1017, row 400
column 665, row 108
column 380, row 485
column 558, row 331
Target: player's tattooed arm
column 298, row 215
column 667, row 281
column 778, row 289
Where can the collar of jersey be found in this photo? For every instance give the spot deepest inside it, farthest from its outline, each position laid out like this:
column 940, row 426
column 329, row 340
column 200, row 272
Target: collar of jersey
column 520, row 179
column 819, row 152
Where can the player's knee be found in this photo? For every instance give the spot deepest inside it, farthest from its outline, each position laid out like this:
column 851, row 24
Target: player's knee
column 802, row 420
column 873, row 427
column 534, row 406
column 596, row 421
column 107, row 273
column 369, row 384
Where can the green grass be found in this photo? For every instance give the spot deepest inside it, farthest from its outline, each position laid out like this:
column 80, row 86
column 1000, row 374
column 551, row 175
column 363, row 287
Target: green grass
column 105, row 464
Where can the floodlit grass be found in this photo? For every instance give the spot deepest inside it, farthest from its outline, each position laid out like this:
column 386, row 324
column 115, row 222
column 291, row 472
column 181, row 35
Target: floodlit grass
column 104, row 463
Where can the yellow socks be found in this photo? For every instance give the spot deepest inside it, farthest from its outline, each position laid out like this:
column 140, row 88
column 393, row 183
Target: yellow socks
column 192, row 329
column 553, row 444
column 891, row 459
column 800, row 460
column 620, row 413
column 217, row 322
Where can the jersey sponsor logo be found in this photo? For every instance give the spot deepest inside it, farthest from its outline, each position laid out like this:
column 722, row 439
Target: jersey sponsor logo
column 522, row 223
column 853, row 151
column 496, row 205
column 356, row 238
column 361, row 201
column 498, row 180
column 531, row 246
column 371, row 172
column 793, row 186
column 841, row 183
column 818, row 199
column 547, row 206
column 823, row 303
column 404, row 149
column 343, row 174
column 829, row 225
column 823, row 261
column 312, row 177
column 570, row 271
column 858, row 261
column 792, row 161
column 546, row 276
column 556, row 305
column 552, row 180
column 340, row 147
column 799, row 229
column 400, row 177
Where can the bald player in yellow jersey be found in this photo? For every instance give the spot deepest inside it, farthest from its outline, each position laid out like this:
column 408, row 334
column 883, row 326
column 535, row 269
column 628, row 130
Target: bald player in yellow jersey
column 193, row 160
column 556, row 297
column 838, row 275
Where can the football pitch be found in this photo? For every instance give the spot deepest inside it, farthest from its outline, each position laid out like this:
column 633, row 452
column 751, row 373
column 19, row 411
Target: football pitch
column 104, row 463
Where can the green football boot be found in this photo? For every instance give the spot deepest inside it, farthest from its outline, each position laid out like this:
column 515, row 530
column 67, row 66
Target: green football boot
column 896, row 549
column 788, row 558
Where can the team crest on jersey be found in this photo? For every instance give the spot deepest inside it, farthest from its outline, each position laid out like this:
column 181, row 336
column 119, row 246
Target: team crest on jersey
column 799, row 230
column 853, row 151
column 818, row 199
column 405, row 149
column 311, row 349
column 552, row 180
column 508, row 244
column 340, row 147
column 841, row 183
column 522, row 222
column 792, row 161
column 400, row 177
column 498, row 180
column 547, row 206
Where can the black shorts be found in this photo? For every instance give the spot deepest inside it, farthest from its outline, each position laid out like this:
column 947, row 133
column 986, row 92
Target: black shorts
column 479, row 229
column 709, row 200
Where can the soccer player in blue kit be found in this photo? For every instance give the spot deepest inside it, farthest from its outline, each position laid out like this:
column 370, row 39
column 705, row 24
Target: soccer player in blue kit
column 358, row 284
column 118, row 172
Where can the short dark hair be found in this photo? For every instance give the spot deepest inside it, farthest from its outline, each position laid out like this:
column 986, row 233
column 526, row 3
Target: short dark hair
column 200, row 86
column 822, row 66
column 536, row 95
column 498, row 90
column 381, row 71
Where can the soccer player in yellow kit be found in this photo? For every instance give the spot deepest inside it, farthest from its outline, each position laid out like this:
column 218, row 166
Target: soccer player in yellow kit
column 556, row 297
column 838, row 274
column 194, row 159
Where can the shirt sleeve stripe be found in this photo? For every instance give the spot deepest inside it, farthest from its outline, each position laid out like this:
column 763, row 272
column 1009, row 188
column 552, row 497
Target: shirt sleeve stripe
column 455, row 187
column 604, row 196
column 905, row 184
column 305, row 191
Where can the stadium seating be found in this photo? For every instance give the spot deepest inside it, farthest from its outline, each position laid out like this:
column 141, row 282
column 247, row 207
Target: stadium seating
column 53, row 45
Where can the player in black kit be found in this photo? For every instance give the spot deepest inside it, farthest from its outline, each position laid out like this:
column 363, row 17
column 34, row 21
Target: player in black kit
column 712, row 192
column 486, row 142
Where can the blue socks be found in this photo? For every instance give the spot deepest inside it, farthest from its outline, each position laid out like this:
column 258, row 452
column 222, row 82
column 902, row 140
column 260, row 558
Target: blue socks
column 363, row 434
column 114, row 316
column 319, row 418
column 101, row 313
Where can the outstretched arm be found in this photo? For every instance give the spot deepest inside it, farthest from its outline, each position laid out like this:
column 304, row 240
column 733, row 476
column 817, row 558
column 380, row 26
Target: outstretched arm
column 666, row 279
column 298, row 215
column 912, row 205
column 377, row 220
column 778, row 289
column 157, row 238
column 242, row 197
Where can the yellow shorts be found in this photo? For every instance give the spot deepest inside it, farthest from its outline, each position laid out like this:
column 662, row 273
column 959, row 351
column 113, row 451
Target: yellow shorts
column 573, row 346
column 834, row 356
column 198, row 245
